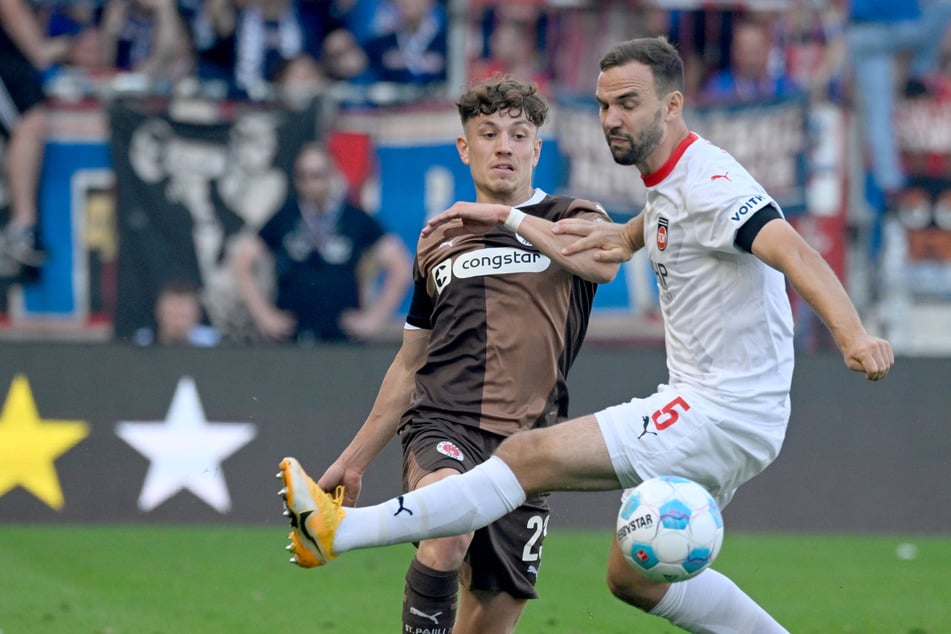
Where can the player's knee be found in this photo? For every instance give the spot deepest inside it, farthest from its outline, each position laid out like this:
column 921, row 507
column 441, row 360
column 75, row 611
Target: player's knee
column 633, row 588
column 526, row 455
column 631, row 594
column 445, row 553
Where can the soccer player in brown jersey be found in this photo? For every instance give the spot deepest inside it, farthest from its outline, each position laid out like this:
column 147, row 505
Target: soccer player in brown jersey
column 492, row 329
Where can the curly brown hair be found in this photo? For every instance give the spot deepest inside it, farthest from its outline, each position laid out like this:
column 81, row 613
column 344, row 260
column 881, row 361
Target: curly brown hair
column 506, row 95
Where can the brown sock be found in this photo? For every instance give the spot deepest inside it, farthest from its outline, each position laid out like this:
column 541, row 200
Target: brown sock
column 429, row 600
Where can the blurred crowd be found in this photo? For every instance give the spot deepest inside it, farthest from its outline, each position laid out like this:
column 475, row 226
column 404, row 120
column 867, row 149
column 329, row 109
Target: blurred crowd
column 862, row 54
column 243, row 49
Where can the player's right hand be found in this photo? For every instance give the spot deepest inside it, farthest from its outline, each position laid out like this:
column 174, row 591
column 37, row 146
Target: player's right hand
column 611, row 240
column 870, row 355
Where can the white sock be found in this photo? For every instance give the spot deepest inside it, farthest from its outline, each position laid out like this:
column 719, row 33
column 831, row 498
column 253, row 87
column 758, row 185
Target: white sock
column 711, row 603
column 451, row 506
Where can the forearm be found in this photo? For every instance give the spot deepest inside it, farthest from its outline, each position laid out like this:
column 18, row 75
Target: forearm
column 583, row 264
column 817, row 284
column 633, row 232
column 168, row 32
column 247, row 256
column 382, row 422
column 23, row 28
column 395, row 263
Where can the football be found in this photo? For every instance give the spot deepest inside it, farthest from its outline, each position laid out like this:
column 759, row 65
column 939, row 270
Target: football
column 669, row 528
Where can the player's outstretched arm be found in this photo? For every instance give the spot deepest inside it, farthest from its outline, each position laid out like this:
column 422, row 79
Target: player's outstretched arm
column 475, row 217
column 779, row 245
column 480, row 217
column 609, row 242
column 381, row 423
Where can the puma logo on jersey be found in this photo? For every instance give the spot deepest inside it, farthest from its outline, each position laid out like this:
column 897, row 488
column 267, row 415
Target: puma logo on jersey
column 447, row 243
column 725, row 175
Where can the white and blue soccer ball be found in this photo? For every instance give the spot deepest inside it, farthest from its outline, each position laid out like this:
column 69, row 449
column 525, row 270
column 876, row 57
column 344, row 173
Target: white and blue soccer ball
column 669, row 528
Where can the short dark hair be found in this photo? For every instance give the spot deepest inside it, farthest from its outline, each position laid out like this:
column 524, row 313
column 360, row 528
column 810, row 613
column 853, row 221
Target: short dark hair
column 179, row 286
column 657, row 53
column 506, row 95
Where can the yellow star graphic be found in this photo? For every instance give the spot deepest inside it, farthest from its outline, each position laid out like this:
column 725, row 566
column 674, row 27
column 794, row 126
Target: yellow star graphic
column 30, row 445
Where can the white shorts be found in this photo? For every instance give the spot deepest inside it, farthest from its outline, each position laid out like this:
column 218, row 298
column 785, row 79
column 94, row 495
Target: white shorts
column 675, row 433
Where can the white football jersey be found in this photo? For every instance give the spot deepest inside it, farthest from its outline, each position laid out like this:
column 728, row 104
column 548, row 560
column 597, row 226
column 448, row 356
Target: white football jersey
column 729, row 326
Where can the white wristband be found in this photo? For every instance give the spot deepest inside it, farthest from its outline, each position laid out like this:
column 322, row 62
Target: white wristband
column 514, row 219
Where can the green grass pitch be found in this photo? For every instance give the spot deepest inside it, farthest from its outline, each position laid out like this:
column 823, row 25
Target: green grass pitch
column 146, row 579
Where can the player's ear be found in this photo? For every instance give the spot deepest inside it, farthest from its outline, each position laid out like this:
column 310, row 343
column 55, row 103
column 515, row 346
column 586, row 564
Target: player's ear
column 538, row 152
column 675, row 103
column 462, row 146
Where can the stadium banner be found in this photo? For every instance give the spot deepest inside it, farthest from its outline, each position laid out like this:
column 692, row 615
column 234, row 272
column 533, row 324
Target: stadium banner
column 148, row 196
column 75, row 201
column 184, row 191
column 924, row 134
column 112, row 433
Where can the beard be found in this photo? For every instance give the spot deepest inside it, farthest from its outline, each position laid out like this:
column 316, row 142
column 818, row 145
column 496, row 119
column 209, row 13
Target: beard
column 640, row 148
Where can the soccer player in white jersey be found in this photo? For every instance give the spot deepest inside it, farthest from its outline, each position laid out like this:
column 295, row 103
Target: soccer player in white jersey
column 720, row 248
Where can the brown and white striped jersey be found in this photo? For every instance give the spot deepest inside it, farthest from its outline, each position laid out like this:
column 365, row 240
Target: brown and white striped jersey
column 506, row 324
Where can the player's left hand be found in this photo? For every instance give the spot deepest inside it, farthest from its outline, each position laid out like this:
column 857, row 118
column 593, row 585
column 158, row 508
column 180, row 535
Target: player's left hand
column 870, row 355
column 337, row 474
column 476, row 217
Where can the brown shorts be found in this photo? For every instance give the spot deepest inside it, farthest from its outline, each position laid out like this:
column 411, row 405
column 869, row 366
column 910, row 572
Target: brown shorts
column 505, row 555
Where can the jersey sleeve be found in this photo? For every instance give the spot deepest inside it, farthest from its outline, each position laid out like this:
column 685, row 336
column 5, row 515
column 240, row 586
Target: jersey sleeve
column 420, row 313
column 580, row 208
column 722, row 197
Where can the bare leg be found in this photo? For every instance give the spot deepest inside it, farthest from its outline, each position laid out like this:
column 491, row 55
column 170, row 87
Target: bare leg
column 25, row 157
column 487, row 612
column 24, row 160
column 571, row 456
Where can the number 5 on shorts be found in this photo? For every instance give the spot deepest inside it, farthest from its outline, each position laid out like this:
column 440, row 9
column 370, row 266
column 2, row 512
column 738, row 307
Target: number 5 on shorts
column 668, row 415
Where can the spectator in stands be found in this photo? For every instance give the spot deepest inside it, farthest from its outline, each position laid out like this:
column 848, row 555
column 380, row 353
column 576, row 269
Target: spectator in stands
column 365, row 19
column 810, row 35
column 79, row 20
column 512, row 47
column 179, row 318
column 879, row 34
column 750, row 76
column 300, row 80
column 212, row 25
column 342, row 56
column 327, row 255
column 267, row 32
column 147, row 37
column 24, row 54
column 415, row 51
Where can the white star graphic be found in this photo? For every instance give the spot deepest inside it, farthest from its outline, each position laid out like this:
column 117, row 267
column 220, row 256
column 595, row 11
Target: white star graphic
column 185, row 450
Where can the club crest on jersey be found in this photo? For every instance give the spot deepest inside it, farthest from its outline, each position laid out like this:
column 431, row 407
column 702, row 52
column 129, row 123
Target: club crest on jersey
column 442, row 274
column 662, row 233
column 447, row 448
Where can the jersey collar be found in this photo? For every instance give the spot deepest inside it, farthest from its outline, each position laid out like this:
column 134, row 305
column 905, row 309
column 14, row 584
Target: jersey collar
column 655, row 178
